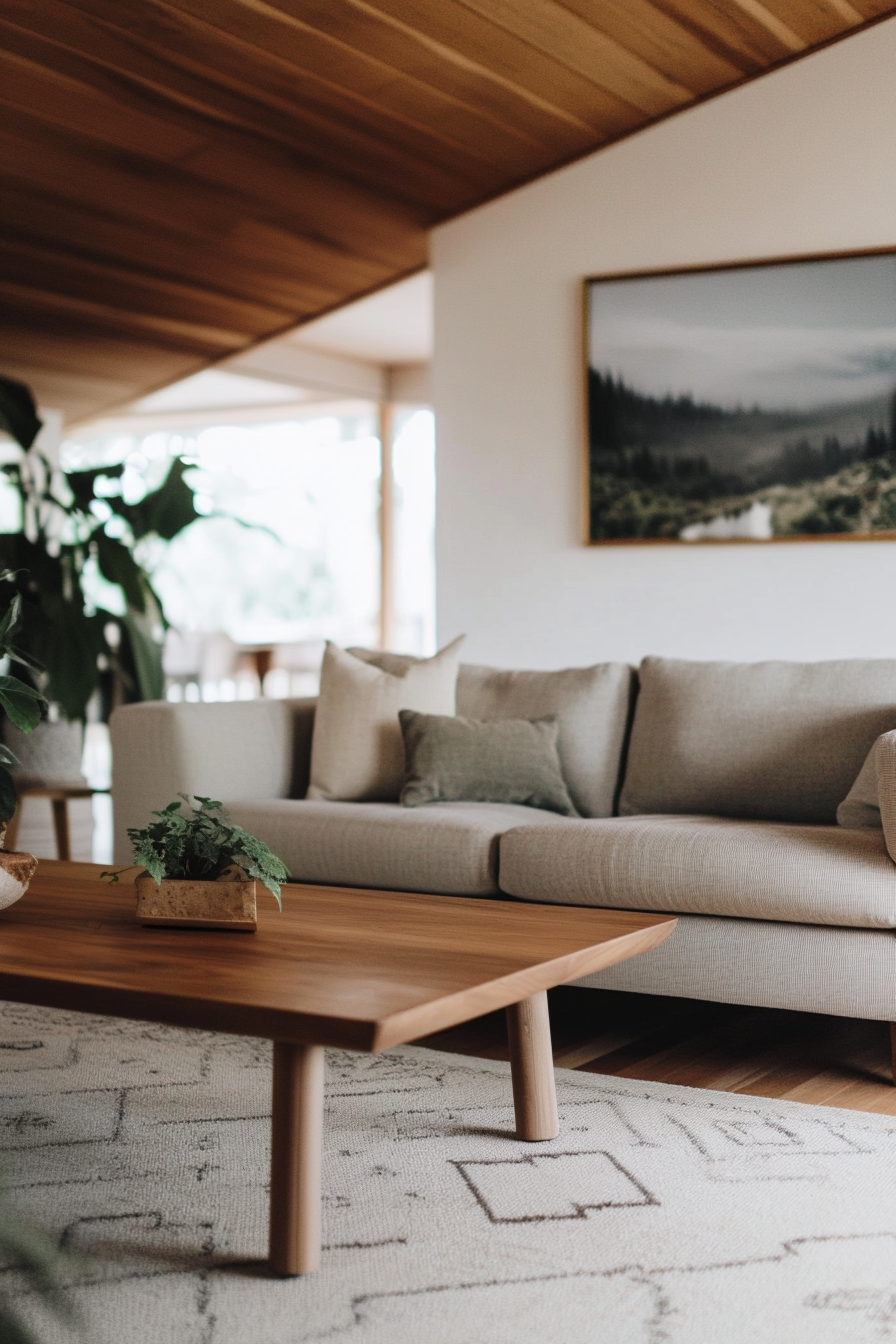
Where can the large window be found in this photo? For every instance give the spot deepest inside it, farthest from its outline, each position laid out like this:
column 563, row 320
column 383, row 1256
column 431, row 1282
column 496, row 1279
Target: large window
column 288, row 552
column 414, row 568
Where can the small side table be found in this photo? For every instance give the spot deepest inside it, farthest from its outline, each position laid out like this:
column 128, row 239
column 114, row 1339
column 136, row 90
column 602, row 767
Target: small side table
column 59, row 797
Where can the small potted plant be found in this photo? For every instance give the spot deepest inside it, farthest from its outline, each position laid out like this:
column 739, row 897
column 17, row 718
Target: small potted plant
column 200, row 869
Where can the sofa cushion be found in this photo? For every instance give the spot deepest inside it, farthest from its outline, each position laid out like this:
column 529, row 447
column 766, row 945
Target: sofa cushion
column 707, row 866
column 448, row 848
column 781, row 741
column 591, row 705
column 451, row 760
column 357, row 752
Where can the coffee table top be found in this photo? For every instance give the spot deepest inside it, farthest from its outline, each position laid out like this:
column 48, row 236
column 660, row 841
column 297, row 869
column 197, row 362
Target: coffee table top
column 360, row 969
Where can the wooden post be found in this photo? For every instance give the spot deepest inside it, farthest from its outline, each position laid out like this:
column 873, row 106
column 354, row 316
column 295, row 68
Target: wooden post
column 387, row 527
column 532, row 1069
column 893, row 1049
column 296, row 1136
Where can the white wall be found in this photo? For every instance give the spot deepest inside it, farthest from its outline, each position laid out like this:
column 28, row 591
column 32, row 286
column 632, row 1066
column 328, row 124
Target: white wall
column 800, row 161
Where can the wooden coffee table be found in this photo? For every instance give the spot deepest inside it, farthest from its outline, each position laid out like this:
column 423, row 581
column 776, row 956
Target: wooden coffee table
column 361, row 970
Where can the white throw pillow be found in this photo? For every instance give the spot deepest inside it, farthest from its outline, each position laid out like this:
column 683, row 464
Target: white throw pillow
column 357, row 752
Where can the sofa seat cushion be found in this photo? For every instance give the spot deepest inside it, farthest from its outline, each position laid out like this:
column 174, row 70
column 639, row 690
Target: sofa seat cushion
column 447, row 848
column 707, row 866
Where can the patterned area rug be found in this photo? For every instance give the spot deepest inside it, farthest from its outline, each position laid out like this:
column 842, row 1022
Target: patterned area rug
column 660, row 1214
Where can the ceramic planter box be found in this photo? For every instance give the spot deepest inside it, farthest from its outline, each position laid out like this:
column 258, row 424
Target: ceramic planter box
column 197, row 905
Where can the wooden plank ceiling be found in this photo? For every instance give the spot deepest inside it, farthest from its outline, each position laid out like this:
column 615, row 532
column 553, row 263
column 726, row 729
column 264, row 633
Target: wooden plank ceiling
column 181, row 178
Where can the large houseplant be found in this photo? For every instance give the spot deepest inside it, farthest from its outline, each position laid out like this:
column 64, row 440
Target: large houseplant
column 23, row 705
column 19, row 701
column 72, row 525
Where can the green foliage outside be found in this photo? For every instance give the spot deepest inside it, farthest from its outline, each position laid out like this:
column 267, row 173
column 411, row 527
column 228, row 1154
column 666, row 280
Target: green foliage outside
column 199, row 847
column 660, row 465
column 69, row 524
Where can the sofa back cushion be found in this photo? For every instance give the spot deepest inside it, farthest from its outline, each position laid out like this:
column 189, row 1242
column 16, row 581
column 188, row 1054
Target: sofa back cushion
column 591, row 704
column 779, row 741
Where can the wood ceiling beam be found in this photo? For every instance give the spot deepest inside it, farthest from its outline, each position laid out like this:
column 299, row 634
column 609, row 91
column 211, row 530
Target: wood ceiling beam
column 81, row 348
column 171, row 333
column 643, row 28
column 62, row 271
column 815, row 22
column 790, row 40
column 183, row 178
column 467, row 119
column 365, row 147
column 576, row 44
column 85, row 231
column 335, row 220
column 727, row 31
column 440, row 42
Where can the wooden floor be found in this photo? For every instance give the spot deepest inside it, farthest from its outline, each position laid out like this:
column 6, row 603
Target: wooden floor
column 763, row 1052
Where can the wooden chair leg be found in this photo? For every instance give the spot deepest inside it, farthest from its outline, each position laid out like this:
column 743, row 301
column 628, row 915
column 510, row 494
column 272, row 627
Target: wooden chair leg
column 60, row 827
column 893, row 1049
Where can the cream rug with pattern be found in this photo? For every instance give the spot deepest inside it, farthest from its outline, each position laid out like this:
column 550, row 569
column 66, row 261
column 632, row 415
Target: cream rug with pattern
column 660, row 1214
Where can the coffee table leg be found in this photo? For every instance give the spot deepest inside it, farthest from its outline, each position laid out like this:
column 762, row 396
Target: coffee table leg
column 532, row 1069
column 296, row 1135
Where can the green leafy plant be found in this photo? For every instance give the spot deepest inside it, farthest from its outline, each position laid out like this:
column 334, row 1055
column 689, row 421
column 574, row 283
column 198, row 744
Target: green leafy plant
column 200, row 846
column 21, row 702
column 69, row 523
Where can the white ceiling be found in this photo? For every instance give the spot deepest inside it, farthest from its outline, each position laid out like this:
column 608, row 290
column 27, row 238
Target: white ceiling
column 393, row 326
column 213, row 388
column 372, row 349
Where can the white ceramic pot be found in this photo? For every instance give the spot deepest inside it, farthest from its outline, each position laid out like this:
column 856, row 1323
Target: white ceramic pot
column 16, row 871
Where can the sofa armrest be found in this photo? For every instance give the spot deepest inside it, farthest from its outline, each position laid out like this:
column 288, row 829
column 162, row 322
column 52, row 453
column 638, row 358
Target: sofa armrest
column 885, row 759
column 240, row 751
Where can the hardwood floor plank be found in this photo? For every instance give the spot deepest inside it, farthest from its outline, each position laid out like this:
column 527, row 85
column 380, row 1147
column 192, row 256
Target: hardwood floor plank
column 762, row 1052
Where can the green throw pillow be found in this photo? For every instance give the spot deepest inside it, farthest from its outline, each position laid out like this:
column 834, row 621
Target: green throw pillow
column 452, row 760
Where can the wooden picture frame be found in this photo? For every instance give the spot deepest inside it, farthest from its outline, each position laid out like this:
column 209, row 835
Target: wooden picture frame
column 752, row 402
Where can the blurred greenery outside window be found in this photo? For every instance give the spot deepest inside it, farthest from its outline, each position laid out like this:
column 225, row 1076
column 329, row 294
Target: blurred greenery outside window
column 310, row 568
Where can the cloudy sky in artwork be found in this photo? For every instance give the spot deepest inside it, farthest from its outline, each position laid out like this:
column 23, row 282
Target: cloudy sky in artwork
column 797, row 336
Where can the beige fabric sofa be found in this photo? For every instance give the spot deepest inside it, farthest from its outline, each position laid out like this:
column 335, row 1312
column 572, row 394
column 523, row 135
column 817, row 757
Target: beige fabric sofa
column 707, row 789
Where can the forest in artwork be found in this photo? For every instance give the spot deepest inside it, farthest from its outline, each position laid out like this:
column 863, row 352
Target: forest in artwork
column 659, row 466
column 743, row 403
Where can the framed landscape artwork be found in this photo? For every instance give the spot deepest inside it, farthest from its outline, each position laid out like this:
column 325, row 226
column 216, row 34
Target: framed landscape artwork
column 752, row 402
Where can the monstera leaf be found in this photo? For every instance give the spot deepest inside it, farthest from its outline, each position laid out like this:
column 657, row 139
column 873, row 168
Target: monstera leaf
column 18, row 413
column 165, row 511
